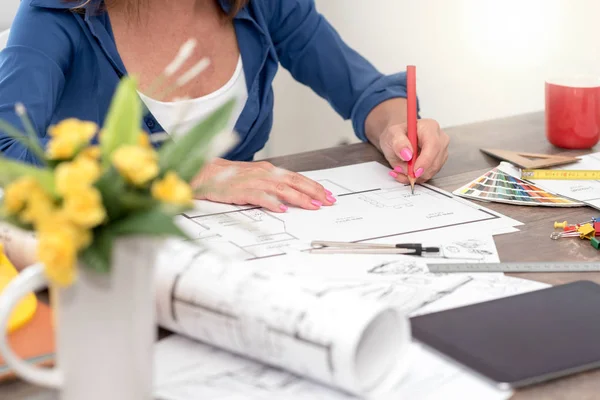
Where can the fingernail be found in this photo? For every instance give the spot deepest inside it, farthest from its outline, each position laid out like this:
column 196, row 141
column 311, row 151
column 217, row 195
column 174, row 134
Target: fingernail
column 406, row 154
column 331, row 199
column 328, row 192
column 399, row 169
column 419, row 172
column 316, row 203
column 393, row 174
column 283, row 207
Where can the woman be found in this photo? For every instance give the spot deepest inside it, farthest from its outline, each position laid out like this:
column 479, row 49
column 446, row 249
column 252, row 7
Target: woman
column 65, row 58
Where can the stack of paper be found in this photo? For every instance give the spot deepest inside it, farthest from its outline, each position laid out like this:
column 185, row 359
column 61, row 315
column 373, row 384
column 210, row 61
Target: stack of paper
column 267, row 319
column 371, row 207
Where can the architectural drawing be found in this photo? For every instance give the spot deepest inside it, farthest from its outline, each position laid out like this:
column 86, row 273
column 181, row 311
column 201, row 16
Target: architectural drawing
column 367, row 209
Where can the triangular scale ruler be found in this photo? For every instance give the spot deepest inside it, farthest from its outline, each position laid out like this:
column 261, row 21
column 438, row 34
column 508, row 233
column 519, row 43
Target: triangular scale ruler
column 529, row 160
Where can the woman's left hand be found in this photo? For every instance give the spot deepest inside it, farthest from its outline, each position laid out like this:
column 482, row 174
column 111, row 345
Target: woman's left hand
column 396, row 148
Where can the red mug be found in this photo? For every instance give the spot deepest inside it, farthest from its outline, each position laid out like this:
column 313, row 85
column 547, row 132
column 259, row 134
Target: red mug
column 573, row 112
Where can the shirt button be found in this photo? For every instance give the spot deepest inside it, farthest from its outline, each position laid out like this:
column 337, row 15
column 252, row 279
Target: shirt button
column 150, row 123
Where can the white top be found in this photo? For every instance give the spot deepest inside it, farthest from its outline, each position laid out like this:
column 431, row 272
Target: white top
column 178, row 117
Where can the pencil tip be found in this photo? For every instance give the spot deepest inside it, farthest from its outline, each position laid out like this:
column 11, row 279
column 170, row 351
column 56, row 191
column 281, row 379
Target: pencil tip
column 412, row 184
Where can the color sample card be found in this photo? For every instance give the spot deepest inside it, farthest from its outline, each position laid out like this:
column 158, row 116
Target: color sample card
column 499, row 186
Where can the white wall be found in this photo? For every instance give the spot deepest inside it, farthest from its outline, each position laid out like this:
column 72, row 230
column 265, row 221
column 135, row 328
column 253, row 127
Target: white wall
column 8, row 9
column 476, row 59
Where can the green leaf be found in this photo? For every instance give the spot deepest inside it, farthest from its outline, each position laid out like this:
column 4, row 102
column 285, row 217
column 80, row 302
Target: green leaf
column 187, row 155
column 112, row 186
column 98, row 255
column 122, row 124
column 31, row 143
column 136, row 201
column 150, row 222
column 11, row 170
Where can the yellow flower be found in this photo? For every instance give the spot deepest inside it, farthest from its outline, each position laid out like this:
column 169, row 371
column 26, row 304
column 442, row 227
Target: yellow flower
column 84, row 208
column 16, row 194
column 68, row 137
column 56, row 250
column 91, row 153
column 73, row 127
column 138, row 165
column 80, row 173
column 39, row 205
column 172, row 189
column 58, row 220
column 144, row 140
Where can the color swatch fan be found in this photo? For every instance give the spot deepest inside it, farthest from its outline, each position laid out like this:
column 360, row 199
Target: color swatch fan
column 499, row 186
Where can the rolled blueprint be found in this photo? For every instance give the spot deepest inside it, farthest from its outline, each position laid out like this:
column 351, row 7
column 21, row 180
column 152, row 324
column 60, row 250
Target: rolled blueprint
column 318, row 329
column 315, row 328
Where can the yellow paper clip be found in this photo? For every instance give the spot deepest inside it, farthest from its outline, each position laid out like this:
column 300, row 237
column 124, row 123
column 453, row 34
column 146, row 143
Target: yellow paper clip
column 25, row 310
column 586, row 231
column 560, row 225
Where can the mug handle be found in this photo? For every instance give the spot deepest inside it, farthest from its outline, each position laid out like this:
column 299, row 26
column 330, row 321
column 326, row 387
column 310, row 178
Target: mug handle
column 31, row 279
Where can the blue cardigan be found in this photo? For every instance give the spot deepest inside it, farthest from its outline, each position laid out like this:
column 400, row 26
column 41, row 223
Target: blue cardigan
column 62, row 64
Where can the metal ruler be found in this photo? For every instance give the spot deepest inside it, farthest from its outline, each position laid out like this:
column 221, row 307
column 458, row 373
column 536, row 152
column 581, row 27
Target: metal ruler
column 557, row 174
column 517, row 267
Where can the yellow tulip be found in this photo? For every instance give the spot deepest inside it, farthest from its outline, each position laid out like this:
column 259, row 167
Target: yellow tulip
column 84, row 208
column 73, row 127
column 39, row 205
column 17, row 193
column 80, row 173
column 136, row 164
column 68, row 137
column 91, row 153
column 144, row 140
column 58, row 220
column 56, row 250
column 172, row 189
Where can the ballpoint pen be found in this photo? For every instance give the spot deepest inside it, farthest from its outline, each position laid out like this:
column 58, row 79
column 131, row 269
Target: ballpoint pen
column 411, row 101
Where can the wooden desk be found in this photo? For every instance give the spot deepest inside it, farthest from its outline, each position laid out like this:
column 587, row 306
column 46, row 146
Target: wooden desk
column 466, row 163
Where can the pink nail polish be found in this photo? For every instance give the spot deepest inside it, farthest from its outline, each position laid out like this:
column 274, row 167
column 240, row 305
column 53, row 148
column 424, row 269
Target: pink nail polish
column 328, row 192
column 419, row 172
column 399, row 169
column 331, row 199
column 316, row 203
column 283, row 207
column 406, row 154
column 393, row 174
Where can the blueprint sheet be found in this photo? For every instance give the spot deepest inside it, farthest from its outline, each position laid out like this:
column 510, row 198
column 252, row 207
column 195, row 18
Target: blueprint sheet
column 371, row 206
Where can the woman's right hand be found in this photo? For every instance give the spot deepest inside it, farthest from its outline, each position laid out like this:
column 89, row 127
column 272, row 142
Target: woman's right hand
column 261, row 184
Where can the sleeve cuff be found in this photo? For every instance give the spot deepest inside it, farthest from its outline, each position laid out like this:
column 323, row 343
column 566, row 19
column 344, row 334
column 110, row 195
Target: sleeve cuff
column 385, row 88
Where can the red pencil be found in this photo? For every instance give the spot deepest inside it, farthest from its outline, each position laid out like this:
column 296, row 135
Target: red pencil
column 411, row 101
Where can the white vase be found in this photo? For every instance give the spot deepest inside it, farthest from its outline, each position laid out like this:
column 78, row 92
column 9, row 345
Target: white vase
column 105, row 327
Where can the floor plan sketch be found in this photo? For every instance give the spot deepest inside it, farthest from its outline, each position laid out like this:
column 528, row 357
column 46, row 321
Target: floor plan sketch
column 369, row 207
